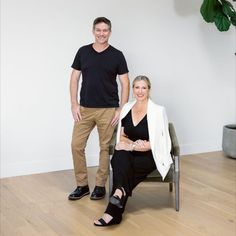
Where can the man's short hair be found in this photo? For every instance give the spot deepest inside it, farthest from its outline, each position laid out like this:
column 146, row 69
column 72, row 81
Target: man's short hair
column 102, row 20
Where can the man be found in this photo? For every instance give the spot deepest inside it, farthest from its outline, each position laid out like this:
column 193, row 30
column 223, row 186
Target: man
column 99, row 64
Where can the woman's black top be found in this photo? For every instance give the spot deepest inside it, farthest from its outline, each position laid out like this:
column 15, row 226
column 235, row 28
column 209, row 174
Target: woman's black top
column 140, row 131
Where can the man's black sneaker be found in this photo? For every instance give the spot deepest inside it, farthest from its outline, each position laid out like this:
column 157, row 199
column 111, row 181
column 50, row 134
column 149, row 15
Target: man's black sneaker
column 79, row 192
column 98, row 193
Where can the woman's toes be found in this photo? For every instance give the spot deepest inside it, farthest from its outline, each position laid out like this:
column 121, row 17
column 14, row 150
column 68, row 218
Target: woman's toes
column 106, row 217
column 97, row 222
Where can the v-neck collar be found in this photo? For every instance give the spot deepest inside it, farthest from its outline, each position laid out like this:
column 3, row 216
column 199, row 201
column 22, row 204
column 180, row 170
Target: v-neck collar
column 139, row 121
column 101, row 52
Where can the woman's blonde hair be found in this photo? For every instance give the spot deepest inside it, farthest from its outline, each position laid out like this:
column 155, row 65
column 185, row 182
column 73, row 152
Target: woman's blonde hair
column 144, row 78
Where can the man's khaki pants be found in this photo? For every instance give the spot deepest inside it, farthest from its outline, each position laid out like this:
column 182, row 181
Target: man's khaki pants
column 91, row 117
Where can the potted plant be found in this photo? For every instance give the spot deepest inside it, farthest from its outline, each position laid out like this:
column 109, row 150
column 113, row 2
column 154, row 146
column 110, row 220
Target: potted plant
column 229, row 140
column 221, row 12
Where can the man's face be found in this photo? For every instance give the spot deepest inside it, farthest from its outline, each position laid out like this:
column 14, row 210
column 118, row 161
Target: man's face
column 101, row 33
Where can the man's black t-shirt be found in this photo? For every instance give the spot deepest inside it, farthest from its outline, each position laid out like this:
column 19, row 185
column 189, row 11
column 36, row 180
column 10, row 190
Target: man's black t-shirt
column 99, row 71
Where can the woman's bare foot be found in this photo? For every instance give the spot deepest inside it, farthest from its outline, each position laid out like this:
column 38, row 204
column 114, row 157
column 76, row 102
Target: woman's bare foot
column 106, row 217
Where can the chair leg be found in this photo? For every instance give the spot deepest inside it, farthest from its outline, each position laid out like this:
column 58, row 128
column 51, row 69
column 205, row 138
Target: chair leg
column 110, row 182
column 170, row 187
column 110, row 176
column 177, row 192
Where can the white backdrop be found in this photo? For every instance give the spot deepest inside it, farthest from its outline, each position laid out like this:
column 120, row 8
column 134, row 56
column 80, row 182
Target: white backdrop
column 190, row 63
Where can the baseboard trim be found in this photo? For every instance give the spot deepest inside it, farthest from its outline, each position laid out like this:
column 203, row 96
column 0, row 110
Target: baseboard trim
column 193, row 148
column 36, row 167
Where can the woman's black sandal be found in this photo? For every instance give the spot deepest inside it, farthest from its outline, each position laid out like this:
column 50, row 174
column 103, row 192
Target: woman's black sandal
column 113, row 221
column 116, row 200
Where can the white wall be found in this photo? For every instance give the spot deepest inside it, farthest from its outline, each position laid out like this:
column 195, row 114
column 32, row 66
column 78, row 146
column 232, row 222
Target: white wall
column 191, row 66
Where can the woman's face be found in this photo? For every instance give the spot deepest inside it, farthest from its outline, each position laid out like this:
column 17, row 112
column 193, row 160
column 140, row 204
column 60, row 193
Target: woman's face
column 141, row 90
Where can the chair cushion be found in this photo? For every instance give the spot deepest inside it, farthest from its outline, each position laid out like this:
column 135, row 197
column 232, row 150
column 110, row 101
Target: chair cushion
column 156, row 177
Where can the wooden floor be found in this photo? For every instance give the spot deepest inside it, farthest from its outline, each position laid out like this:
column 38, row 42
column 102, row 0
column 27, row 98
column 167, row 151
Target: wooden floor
column 37, row 204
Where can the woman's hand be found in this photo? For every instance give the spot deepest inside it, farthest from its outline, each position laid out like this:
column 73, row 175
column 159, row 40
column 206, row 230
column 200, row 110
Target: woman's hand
column 138, row 145
column 142, row 145
column 124, row 146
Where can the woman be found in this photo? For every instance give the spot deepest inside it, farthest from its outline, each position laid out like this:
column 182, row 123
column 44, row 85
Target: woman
column 143, row 145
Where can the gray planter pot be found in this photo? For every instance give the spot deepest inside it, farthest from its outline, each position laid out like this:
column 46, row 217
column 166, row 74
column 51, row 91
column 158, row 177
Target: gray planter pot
column 229, row 140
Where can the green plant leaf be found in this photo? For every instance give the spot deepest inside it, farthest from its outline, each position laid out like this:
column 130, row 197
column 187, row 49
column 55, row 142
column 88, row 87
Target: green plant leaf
column 222, row 22
column 228, row 8
column 225, row 2
column 233, row 20
column 208, row 10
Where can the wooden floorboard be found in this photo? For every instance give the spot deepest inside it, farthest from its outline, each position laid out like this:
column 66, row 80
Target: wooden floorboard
column 37, row 204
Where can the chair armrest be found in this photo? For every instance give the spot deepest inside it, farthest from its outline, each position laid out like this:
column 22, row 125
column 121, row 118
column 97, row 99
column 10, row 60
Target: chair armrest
column 112, row 143
column 175, row 150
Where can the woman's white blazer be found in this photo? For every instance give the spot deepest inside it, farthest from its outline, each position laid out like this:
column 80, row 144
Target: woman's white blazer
column 159, row 136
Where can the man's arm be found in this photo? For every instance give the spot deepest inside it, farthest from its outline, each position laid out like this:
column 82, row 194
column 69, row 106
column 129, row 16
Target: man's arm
column 125, row 86
column 74, row 86
column 124, row 96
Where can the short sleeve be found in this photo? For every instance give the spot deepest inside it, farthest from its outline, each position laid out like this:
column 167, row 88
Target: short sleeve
column 77, row 61
column 122, row 68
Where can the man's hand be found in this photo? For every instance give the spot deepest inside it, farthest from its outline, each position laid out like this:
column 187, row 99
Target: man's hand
column 116, row 117
column 75, row 109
